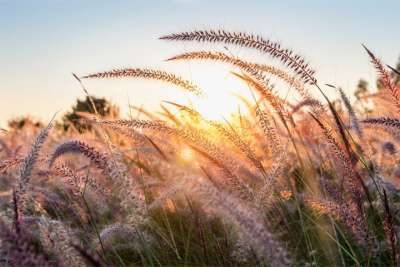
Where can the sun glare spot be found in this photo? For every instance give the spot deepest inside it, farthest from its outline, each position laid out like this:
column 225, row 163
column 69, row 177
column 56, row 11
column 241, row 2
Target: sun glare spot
column 187, row 154
column 218, row 106
column 219, row 101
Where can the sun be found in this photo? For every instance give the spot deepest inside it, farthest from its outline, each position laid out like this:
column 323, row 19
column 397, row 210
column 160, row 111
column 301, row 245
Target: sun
column 217, row 106
column 220, row 101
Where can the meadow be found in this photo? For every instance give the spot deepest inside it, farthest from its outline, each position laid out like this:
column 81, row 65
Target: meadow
column 299, row 181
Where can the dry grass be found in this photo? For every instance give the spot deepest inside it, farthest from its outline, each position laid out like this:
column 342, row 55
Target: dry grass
column 285, row 185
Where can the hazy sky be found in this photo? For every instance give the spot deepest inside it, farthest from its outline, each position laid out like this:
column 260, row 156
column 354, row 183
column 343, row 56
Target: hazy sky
column 42, row 42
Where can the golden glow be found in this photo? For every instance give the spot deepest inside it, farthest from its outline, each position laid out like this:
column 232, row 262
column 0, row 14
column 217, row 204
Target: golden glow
column 217, row 106
column 187, row 154
column 220, row 101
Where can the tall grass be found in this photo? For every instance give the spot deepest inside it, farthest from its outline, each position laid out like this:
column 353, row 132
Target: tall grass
column 287, row 184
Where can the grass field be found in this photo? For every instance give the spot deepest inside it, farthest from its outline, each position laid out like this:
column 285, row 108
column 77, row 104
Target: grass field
column 290, row 181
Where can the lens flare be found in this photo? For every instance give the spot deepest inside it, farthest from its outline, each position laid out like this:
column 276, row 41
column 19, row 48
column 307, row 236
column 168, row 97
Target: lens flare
column 187, row 154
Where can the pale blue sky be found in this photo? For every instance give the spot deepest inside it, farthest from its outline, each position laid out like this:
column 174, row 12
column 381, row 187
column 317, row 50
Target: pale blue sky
column 42, row 42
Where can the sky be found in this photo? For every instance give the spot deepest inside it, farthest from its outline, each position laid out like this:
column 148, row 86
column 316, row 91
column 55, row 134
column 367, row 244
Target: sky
column 44, row 41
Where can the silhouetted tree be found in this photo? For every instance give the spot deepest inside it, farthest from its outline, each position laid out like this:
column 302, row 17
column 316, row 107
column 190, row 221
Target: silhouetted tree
column 94, row 105
column 362, row 89
column 24, row 121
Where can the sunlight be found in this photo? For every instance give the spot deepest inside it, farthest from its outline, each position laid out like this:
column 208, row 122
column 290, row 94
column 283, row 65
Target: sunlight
column 220, row 101
column 187, row 154
column 217, row 106
column 228, row 139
